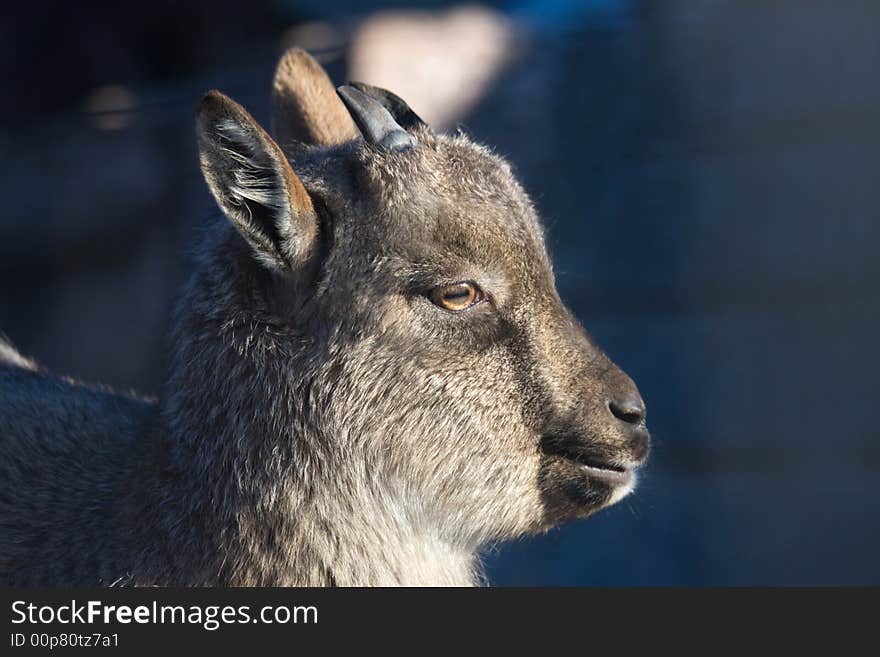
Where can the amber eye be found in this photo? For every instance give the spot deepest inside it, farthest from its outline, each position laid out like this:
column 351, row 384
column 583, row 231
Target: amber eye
column 458, row 296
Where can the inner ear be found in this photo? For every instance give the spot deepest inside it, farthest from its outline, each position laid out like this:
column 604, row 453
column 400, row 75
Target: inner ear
column 254, row 184
column 305, row 107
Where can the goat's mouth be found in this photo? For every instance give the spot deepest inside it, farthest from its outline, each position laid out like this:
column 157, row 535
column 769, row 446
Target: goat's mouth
column 609, row 474
column 597, row 468
column 580, row 475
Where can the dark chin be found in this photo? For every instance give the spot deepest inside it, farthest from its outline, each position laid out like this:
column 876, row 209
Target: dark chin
column 567, row 493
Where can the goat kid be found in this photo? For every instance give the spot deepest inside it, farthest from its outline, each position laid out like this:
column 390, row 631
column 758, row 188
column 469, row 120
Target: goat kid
column 372, row 375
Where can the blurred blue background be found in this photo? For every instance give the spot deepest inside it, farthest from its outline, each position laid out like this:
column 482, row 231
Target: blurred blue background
column 708, row 171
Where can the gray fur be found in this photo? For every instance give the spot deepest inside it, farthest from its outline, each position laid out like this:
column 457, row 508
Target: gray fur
column 323, row 421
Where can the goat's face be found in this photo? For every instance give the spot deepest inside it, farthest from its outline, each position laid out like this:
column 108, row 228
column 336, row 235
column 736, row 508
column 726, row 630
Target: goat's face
column 451, row 373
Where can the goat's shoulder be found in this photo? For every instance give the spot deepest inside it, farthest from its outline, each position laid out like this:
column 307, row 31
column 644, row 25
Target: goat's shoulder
column 51, row 412
column 66, row 455
column 58, row 436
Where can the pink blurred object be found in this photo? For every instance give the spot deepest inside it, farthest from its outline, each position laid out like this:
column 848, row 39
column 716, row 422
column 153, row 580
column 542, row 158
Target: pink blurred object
column 441, row 63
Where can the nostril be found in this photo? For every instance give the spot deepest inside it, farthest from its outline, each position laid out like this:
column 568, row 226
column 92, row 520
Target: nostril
column 629, row 409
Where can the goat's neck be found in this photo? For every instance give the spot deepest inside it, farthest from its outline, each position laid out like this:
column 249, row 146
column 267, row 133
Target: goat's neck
column 271, row 509
column 339, row 531
column 373, row 541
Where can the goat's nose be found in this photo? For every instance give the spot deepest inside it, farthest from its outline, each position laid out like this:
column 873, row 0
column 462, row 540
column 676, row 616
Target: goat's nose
column 628, row 408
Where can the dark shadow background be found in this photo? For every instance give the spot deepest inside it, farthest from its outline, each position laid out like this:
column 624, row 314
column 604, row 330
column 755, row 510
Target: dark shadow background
column 708, row 172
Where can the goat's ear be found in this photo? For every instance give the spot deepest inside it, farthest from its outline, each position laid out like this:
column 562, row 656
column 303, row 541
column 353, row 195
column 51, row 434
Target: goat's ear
column 254, row 184
column 305, row 107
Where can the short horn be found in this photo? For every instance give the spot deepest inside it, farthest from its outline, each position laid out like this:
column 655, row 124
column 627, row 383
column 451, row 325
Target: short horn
column 374, row 121
column 396, row 106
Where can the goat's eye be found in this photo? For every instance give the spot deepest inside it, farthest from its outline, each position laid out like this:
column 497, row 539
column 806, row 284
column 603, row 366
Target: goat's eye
column 458, row 296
